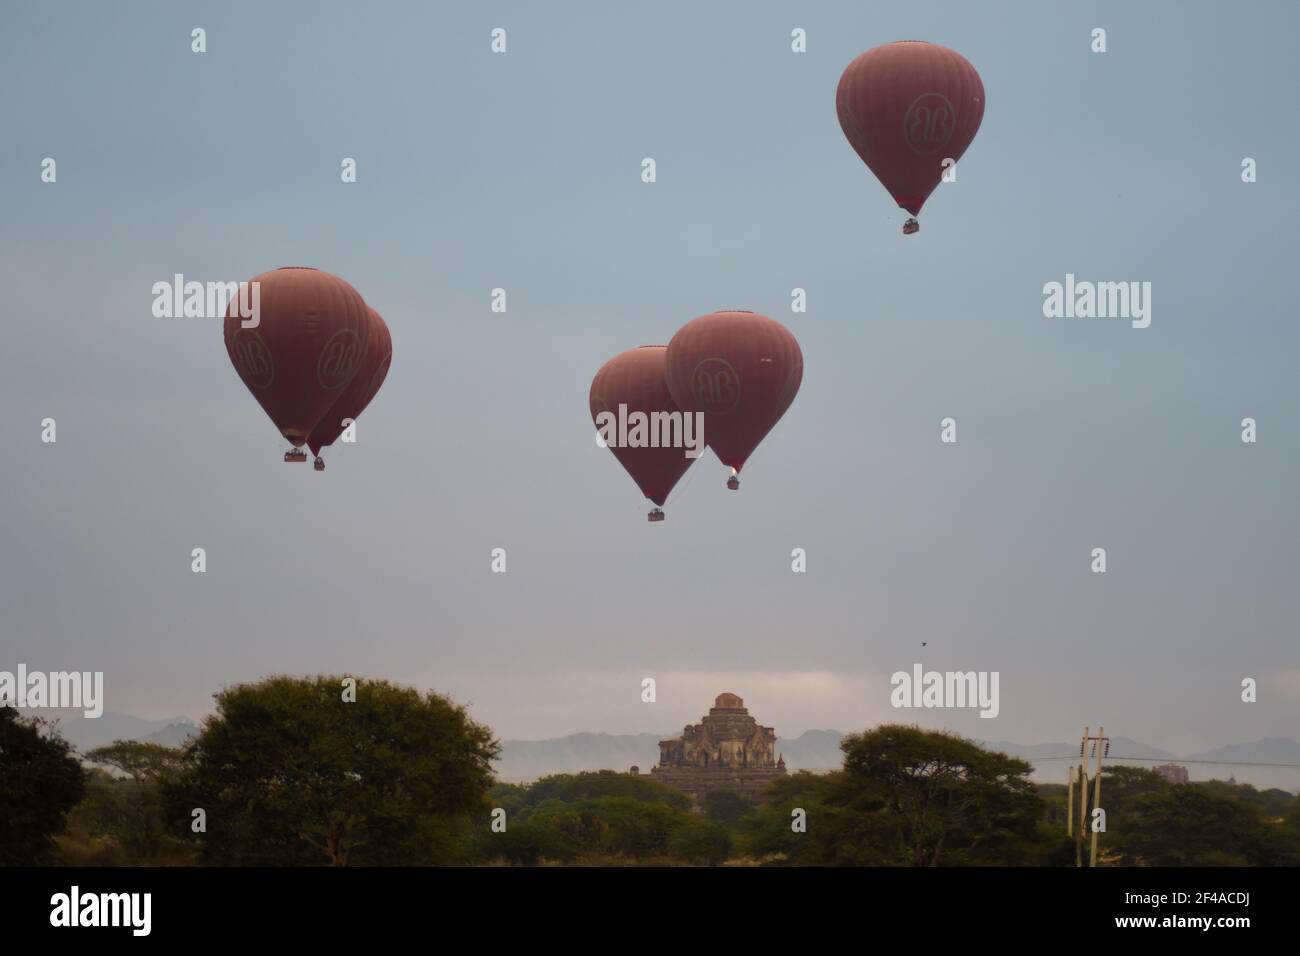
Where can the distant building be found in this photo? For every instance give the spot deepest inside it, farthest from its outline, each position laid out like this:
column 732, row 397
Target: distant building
column 1172, row 772
column 726, row 750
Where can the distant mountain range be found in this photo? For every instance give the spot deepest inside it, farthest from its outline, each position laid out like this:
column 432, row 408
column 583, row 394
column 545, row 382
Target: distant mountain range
column 1051, row 760
column 530, row 759
column 819, row 750
column 816, row 750
column 87, row 733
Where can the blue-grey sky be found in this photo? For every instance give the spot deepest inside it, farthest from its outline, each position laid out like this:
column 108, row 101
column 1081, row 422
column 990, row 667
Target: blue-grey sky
column 522, row 171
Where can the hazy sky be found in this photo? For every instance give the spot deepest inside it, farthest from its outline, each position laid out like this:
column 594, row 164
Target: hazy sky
column 522, row 171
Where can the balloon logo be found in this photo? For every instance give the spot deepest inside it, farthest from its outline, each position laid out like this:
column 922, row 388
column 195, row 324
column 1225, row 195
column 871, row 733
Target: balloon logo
column 253, row 359
column 339, row 360
column 928, row 124
column 715, row 386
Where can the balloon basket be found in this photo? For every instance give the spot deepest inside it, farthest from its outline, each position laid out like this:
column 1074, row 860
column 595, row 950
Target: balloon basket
column 295, row 454
column 656, row 515
column 319, row 464
column 733, row 483
column 911, row 227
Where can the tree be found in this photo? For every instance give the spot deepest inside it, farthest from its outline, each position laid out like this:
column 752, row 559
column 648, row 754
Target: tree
column 131, row 810
column 834, row 834
column 288, row 772
column 571, row 787
column 600, row 817
column 1274, row 803
column 94, row 835
column 725, row 806
column 1190, row 826
column 528, row 843
column 1292, row 819
column 142, row 761
column 40, row 781
column 945, row 798
column 700, row 841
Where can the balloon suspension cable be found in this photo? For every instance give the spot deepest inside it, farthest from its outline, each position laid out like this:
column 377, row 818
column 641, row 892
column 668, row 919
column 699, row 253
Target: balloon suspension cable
column 734, row 481
column 656, row 514
column 911, row 226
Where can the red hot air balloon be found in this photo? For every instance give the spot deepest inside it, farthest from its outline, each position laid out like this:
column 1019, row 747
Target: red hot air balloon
column 906, row 107
column 310, row 336
column 742, row 371
column 365, row 385
column 632, row 382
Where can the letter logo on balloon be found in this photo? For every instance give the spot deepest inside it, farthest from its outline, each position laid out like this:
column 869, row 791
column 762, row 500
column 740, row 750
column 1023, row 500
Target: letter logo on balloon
column 339, row 360
column 929, row 122
column 253, row 359
column 715, row 385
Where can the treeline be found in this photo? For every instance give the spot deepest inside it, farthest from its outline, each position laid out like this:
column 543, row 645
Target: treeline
column 326, row 771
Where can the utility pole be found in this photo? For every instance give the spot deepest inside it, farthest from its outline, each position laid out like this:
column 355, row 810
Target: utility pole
column 1069, row 801
column 1100, row 747
column 1083, row 802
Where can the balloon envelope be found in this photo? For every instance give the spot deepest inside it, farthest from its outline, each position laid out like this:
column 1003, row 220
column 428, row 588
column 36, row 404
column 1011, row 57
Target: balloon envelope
column 906, row 107
column 635, row 379
column 311, row 333
column 741, row 370
column 363, row 388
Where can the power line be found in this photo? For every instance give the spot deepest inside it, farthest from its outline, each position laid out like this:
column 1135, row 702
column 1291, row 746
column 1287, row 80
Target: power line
column 1221, row 763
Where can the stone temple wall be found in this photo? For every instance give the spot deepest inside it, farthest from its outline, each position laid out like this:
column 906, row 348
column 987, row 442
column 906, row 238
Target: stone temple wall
column 727, row 750
column 695, row 783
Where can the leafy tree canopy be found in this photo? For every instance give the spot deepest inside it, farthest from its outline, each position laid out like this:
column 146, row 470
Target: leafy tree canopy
column 288, row 771
column 42, row 782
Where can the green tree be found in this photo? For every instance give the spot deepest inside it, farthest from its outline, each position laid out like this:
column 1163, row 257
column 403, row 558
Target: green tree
column 620, row 826
column 1188, row 826
column 946, row 799
column 571, row 787
column 725, row 806
column 289, row 772
column 700, row 841
column 1274, row 803
column 1292, row 819
column 142, row 761
column 528, row 843
column 96, row 824
column 599, row 817
column 833, row 833
column 40, row 781
column 130, row 811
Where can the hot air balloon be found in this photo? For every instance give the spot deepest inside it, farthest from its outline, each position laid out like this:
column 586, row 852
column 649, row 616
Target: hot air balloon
column 301, row 350
column 364, row 386
column 632, row 382
column 742, row 371
column 907, row 108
